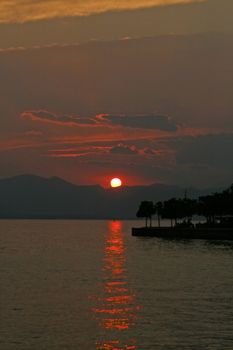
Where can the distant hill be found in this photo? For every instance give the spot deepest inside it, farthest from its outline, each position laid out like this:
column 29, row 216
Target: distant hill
column 29, row 196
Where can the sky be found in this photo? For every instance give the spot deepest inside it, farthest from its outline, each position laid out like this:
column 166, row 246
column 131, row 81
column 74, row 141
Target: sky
column 140, row 89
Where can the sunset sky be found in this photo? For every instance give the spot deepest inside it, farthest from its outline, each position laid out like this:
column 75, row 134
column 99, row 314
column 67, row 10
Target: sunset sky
column 138, row 89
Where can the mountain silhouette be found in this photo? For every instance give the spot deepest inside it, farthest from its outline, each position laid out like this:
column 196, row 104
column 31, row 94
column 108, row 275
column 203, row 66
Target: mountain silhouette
column 30, row 196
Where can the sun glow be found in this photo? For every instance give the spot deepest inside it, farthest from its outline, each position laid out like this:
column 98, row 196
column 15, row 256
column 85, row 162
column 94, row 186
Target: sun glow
column 116, row 182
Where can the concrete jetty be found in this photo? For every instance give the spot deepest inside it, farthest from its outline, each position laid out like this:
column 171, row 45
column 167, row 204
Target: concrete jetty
column 210, row 233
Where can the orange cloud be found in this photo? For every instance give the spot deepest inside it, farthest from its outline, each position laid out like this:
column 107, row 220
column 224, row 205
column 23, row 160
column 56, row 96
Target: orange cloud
column 20, row 11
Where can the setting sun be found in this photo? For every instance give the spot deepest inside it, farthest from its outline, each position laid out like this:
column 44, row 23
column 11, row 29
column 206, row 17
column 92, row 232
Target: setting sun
column 116, row 182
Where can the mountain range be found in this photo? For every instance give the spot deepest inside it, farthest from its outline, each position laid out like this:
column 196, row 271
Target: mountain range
column 34, row 197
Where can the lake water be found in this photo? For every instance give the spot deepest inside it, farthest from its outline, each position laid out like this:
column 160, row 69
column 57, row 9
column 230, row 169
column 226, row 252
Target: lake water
column 85, row 285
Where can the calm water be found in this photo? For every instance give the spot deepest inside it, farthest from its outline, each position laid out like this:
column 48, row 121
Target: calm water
column 83, row 285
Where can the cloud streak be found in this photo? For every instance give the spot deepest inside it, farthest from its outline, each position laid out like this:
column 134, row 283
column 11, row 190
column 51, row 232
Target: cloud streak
column 20, row 11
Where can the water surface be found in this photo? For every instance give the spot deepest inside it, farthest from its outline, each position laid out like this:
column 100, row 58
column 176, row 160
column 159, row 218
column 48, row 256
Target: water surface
column 87, row 285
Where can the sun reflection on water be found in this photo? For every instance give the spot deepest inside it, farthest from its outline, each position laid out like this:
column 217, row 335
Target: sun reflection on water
column 116, row 310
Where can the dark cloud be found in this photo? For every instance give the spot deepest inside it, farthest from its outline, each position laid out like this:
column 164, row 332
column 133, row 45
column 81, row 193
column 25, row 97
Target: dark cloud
column 49, row 117
column 210, row 150
column 139, row 121
column 149, row 151
column 123, row 149
column 142, row 121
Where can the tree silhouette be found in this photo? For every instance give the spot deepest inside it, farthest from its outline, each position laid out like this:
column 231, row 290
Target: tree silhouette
column 210, row 207
column 217, row 208
column 173, row 210
column 159, row 211
column 216, row 205
column 146, row 210
column 189, row 208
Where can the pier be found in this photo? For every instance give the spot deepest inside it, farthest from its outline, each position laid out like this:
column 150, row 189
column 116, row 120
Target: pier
column 184, row 233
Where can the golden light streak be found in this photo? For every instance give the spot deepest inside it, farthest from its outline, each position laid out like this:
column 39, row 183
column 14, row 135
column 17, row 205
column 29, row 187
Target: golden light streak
column 20, row 11
column 117, row 309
